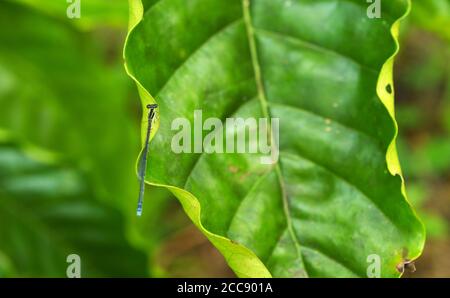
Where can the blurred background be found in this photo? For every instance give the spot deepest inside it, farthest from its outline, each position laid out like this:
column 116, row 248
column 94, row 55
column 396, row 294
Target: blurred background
column 69, row 138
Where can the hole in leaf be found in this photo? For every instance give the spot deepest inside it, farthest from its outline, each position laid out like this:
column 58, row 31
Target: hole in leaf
column 389, row 88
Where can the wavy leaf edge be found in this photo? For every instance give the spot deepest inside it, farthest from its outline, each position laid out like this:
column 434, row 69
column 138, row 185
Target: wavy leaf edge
column 241, row 259
column 386, row 78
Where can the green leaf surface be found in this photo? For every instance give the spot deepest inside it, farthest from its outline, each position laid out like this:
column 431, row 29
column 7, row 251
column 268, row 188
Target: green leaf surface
column 48, row 211
column 324, row 68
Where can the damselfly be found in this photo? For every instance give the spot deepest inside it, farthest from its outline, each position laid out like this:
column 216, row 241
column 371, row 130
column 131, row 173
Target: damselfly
column 143, row 158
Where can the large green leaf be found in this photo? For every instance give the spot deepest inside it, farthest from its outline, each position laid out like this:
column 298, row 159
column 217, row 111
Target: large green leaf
column 48, row 212
column 324, row 68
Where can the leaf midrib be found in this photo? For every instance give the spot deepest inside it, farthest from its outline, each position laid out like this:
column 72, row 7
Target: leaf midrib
column 265, row 110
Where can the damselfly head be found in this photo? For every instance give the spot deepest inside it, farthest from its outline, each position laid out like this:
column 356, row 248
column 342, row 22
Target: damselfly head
column 152, row 106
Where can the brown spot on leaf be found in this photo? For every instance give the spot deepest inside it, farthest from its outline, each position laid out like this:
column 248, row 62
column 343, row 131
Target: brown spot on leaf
column 406, row 264
column 244, row 176
column 410, row 267
column 233, row 169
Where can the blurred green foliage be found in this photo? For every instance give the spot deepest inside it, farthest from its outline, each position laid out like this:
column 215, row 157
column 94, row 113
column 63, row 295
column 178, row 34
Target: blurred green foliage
column 433, row 15
column 96, row 13
column 48, row 211
column 423, row 105
column 69, row 140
